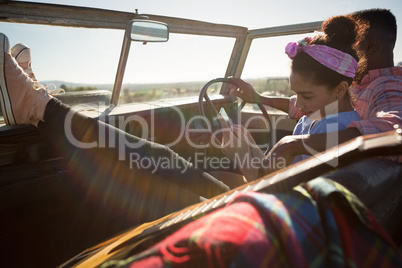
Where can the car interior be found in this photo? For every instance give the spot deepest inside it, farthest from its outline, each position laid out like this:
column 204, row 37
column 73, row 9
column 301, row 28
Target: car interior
column 48, row 215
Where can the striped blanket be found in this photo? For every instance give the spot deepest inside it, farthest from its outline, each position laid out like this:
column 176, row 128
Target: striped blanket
column 317, row 224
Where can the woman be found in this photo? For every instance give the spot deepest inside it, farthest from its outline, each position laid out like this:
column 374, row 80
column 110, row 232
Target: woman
column 322, row 70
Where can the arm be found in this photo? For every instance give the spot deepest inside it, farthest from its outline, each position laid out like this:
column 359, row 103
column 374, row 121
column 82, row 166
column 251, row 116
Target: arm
column 239, row 146
column 246, row 92
column 381, row 108
column 287, row 148
column 382, row 111
column 318, row 142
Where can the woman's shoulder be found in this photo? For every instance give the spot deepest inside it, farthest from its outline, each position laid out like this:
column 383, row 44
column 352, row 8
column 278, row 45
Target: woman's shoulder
column 336, row 122
column 302, row 126
column 349, row 115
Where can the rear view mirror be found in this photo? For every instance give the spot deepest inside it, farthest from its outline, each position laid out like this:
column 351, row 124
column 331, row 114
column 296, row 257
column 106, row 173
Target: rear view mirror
column 149, row 31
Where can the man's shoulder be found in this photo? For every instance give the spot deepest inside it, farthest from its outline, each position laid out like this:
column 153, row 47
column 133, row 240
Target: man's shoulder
column 381, row 81
column 386, row 74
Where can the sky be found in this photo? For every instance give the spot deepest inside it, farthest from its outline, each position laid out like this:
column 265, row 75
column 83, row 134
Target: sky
column 53, row 49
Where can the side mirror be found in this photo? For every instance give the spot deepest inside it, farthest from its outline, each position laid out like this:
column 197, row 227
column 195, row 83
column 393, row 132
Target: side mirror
column 149, row 31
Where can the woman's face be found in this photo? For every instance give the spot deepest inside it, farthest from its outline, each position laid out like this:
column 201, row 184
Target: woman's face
column 315, row 101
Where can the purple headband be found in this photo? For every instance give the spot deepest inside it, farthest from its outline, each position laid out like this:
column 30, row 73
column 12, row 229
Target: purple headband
column 332, row 58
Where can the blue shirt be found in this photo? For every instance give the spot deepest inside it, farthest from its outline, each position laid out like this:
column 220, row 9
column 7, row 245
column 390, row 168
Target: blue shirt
column 330, row 123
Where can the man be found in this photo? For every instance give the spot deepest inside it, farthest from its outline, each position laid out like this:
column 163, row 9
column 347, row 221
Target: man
column 376, row 96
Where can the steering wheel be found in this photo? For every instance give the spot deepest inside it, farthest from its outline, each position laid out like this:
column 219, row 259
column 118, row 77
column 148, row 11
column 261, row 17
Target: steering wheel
column 203, row 95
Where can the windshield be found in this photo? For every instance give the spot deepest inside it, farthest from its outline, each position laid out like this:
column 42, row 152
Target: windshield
column 83, row 63
column 175, row 69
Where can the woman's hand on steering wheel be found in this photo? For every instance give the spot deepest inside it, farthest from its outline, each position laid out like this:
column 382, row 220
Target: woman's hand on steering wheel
column 243, row 90
column 250, row 95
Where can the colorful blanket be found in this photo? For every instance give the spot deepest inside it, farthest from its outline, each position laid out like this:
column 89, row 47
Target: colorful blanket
column 318, row 224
